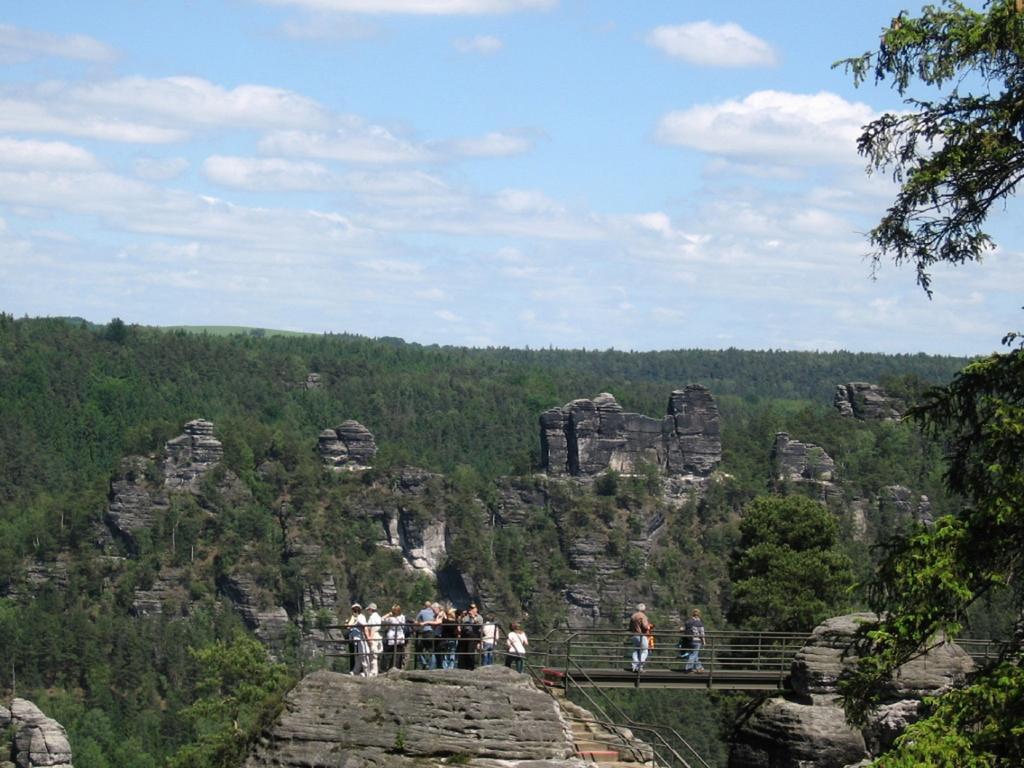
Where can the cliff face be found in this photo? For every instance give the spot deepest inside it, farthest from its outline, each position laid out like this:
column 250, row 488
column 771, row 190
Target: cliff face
column 587, row 437
column 486, row 718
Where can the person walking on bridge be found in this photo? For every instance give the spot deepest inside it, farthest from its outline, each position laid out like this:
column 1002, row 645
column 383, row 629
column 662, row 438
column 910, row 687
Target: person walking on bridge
column 693, row 634
column 640, row 628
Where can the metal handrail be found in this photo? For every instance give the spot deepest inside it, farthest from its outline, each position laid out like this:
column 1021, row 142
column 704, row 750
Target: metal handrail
column 654, row 730
column 762, row 654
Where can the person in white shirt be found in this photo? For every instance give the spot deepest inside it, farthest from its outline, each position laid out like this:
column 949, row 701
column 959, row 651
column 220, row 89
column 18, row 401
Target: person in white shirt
column 375, row 646
column 394, row 639
column 516, row 642
column 489, row 637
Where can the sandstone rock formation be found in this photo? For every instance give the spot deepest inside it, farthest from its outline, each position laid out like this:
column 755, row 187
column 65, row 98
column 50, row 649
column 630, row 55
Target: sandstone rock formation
column 899, row 504
column 38, row 740
column 808, row 729
column 189, row 456
column 587, row 437
column 268, row 622
column 798, row 462
column 139, row 491
column 134, row 500
column 348, row 446
column 488, row 718
column 867, row 402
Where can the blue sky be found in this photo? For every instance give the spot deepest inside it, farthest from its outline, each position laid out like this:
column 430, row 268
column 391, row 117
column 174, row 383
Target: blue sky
column 645, row 175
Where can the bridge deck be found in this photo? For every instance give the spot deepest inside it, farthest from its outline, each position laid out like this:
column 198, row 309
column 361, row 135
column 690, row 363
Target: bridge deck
column 735, row 680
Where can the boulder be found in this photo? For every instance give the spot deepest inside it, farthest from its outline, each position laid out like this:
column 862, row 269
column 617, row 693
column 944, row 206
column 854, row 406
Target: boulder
column 588, row 437
column 488, row 717
column 788, row 734
column 349, row 446
column 867, row 402
column 807, row 729
column 38, row 740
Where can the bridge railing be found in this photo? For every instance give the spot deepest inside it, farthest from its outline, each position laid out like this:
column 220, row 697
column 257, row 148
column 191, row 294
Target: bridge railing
column 724, row 653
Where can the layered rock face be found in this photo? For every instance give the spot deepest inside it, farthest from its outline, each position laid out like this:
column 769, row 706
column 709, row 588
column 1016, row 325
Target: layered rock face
column 807, row 729
column 587, row 437
column 139, row 492
column 902, row 505
column 38, row 740
column 488, row 718
column 348, row 446
column 867, row 402
column 797, row 462
column 189, row 456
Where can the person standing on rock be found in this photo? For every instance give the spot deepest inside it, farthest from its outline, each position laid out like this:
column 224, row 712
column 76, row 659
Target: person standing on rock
column 693, row 636
column 489, row 636
column 640, row 628
column 516, row 643
column 374, row 645
column 357, row 640
column 469, row 637
column 394, row 639
column 425, row 637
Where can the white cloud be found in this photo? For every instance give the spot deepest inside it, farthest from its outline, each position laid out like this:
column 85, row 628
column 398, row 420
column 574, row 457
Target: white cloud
column 447, row 315
column 268, row 174
column 420, row 7
column 490, row 145
column 19, row 44
column 194, row 101
column 354, row 141
column 28, row 153
column 484, row 45
column 160, row 168
column 154, row 111
column 783, row 127
column 713, row 45
column 58, row 117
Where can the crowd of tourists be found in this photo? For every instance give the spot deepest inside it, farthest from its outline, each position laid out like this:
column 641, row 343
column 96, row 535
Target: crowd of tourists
column 437, row 637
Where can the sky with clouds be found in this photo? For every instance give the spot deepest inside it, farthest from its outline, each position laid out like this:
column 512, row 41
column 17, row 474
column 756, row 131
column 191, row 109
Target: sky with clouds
column 568, row 173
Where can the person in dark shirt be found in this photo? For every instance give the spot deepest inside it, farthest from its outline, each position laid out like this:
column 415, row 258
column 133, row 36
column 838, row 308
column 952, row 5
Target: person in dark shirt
column 469, row 637
column 693, row 637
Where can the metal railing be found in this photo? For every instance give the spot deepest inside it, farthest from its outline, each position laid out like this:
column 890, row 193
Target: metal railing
column 728, row 659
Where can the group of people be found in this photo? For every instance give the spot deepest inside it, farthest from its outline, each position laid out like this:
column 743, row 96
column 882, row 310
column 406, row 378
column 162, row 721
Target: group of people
column 692, row 639
column 443, row 638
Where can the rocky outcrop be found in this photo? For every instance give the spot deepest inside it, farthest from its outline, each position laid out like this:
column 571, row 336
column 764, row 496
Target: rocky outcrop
column 349, row 446
column 587, row 437
column 38, row 740
column 140, row 490
column 899, row 505
column 167, row 595
column 797, row 462
column 269, row 622
column 421, row 537
column 808, row 728
column 487, row 718
column 135, row 500
column 867, row 402
column 188, row 457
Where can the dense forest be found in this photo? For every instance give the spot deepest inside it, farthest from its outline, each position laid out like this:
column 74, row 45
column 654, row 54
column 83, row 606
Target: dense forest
column 76, row 398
